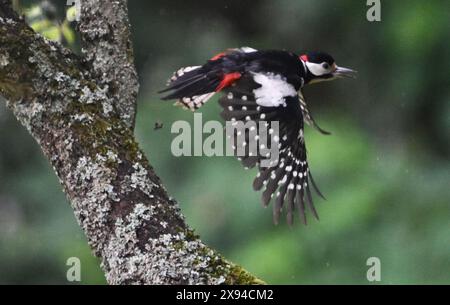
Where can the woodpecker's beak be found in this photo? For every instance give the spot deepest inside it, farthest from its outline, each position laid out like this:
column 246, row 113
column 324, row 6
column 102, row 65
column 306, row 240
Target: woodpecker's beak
column 342, row 72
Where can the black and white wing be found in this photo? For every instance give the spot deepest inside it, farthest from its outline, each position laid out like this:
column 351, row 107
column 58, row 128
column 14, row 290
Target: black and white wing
column 307, row 115
column 270, row 98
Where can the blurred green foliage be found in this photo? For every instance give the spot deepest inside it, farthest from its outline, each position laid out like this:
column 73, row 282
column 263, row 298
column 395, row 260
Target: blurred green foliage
column 385, row 170
column 43, row 17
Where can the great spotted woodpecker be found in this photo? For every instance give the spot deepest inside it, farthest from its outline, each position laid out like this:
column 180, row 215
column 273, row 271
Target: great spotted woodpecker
column 265, row 86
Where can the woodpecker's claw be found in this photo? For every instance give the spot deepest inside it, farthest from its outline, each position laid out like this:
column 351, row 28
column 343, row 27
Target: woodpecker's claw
column 341, row 72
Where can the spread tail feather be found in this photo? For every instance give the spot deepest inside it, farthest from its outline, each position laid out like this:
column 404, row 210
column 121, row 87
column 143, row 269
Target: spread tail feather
column 192, row 86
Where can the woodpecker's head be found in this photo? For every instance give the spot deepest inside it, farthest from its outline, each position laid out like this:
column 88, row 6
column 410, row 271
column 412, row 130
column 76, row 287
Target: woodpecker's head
column 321, row 67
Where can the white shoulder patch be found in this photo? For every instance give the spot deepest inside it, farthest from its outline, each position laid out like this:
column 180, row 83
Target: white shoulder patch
column 247, row 49
column 274, row 88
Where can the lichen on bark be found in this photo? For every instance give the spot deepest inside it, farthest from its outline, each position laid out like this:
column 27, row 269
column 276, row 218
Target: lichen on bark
column 80, row 110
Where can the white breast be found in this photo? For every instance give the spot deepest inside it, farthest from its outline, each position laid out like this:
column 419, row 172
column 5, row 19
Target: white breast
column 274, row 88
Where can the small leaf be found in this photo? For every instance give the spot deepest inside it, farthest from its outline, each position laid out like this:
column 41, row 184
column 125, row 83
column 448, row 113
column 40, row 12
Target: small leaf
column 52, row 33
column 71, row 14
column 33, row 12
column 41, row 25
column 68, row 33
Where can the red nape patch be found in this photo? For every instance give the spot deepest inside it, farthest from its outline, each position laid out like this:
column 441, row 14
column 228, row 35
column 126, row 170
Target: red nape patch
column 228, row 79
column 304, row 57
column 220, row 55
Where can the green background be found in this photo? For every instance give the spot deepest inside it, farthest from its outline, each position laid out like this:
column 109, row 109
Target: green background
column 385, row 170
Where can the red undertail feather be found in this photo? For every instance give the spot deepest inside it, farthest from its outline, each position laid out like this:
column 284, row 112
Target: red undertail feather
column 218, row 56
column 227, row 80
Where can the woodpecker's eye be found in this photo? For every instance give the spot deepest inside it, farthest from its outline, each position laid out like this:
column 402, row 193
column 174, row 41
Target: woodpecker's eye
column 326, row 66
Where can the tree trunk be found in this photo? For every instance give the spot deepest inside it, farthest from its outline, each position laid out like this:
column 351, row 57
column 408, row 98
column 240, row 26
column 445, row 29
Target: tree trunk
column 81, row 112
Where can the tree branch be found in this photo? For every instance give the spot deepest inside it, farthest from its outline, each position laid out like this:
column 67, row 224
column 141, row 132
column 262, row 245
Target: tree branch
column 129, row 219
column 107, row 47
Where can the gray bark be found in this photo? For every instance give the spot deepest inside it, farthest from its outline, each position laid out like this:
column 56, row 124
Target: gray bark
column 81, row 111
column 107, row 47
